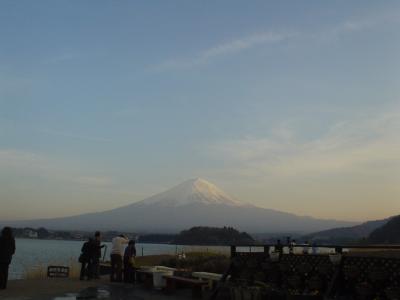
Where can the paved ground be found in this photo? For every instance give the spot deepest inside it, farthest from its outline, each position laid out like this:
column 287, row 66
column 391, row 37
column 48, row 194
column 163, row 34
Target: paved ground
column 73, row 289
column 121, row 292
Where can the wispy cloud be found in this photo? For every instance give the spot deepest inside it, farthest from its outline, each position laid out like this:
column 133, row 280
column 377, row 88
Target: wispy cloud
column 357, row 24
column 75, row 136
column 352, row 170
column 61, row 57
column 348, row 146
column 265, row 38
column 225, row 48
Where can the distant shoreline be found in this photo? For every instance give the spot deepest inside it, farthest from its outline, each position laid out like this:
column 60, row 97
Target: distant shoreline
column 150, row 243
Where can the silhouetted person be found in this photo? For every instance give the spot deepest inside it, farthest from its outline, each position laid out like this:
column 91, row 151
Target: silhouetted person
column 291, row 246
column 129, row 262
column 279, row 247
column 314, row 248
column 7, row 250
column 117, row 251
column 306, row 247
column 97, row 255
column 86, row 259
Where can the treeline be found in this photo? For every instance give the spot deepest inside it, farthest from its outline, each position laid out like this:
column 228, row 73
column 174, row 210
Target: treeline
column 193, row 236
column 157, row 238
column 43, row 233
column 200, row 235
column 213, row 236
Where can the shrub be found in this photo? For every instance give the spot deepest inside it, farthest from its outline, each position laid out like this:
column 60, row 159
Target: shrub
column 200, row 261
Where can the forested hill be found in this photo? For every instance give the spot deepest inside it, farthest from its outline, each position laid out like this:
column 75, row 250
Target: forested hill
column 346, row 234
column 387, row 234
column 213, row 236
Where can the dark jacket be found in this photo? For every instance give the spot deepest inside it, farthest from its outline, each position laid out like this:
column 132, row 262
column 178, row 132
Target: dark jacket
column 7, row 249
column 130, row 251
column 97, row 249
column 88, row 251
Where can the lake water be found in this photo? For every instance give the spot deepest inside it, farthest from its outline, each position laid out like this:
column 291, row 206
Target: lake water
column 31, row 253
column 41, row 253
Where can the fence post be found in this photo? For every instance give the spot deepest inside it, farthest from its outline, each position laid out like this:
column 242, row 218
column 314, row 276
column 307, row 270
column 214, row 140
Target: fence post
column 338, row 249
column 233, row 251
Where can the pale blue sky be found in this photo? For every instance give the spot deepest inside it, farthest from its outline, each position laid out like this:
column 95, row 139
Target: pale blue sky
column 292, row 105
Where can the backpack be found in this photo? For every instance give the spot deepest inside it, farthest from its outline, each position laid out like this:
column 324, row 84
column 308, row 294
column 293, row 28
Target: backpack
column 85, row 253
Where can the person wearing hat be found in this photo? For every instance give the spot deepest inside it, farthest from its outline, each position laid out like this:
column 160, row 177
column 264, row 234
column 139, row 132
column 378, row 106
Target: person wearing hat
column 117, row 252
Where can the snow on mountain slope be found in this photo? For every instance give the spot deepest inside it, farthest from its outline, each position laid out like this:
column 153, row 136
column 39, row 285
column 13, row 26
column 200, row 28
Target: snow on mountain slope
column 192, row 191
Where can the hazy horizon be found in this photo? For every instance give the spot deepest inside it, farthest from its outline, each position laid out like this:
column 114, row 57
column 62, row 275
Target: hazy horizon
column 292, row 106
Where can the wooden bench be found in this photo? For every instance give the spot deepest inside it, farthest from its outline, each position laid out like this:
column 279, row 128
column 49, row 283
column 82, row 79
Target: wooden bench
column 211, row 278
column 194, row 284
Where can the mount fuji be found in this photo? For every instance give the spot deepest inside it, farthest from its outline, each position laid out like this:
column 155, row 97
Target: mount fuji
column 195, row 202
column 192, row 191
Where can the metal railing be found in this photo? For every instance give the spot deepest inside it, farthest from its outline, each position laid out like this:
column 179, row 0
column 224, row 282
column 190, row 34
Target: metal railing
column 337, row 248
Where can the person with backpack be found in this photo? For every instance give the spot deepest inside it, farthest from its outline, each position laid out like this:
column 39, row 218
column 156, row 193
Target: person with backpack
column 7, row 250
column 86, row 259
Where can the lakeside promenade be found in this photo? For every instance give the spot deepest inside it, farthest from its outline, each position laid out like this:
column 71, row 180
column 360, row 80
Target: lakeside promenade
column 70, row 288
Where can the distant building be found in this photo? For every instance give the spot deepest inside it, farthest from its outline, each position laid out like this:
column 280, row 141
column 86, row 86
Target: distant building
column 32, row 234
column 78, row 236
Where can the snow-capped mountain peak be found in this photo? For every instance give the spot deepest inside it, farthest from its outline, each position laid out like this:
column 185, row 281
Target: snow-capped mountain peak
column 195, row 202
column 192, row 191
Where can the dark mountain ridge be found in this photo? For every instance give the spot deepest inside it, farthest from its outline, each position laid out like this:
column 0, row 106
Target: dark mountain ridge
column 389, row 233
column 347, row 234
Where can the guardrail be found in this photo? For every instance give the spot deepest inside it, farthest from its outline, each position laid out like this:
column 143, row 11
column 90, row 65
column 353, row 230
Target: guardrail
column 336, row 248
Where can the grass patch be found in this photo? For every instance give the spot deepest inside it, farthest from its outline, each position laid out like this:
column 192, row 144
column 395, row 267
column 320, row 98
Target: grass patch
column 200, row 261
column 192, row 262
column 152, row 260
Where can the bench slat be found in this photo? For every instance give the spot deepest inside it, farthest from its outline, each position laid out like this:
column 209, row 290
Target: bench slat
column 185, row 280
